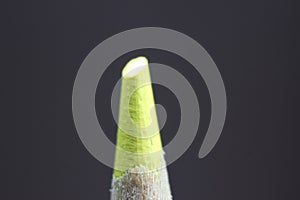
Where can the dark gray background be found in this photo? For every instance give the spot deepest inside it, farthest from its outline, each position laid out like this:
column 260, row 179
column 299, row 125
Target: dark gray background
column 252, row 42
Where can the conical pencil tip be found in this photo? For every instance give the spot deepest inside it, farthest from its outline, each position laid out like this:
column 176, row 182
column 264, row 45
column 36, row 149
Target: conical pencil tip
column 140, row 168
column 134, row 66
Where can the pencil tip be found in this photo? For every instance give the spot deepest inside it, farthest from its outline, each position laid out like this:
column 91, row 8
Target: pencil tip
column 134, row 66
column 140, row 168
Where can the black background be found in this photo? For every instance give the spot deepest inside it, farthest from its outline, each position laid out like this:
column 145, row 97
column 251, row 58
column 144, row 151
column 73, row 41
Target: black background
column 254, row 46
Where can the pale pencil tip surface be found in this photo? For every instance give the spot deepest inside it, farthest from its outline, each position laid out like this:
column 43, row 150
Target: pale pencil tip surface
column 134, row 66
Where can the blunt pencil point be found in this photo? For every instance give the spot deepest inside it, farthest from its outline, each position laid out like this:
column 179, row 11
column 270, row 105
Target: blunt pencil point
column 140, row 169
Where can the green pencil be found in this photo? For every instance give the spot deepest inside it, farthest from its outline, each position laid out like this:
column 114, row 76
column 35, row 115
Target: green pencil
column 140, row 171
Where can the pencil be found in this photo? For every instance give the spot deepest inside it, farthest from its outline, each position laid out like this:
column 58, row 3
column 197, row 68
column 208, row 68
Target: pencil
column 140, row 171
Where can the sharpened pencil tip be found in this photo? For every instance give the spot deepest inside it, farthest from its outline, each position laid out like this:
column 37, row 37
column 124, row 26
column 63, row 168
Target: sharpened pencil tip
column 134, row 66
column 140, row 169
